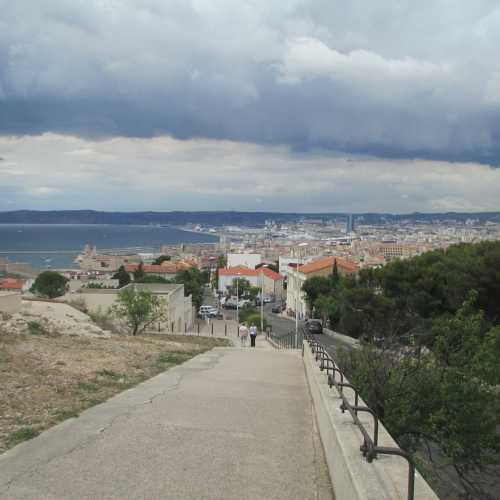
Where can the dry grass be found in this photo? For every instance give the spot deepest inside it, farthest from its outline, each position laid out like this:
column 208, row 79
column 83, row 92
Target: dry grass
column 46, row 378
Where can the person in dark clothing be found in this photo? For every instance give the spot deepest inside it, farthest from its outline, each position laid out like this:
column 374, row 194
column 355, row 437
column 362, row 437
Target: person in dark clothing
column 253, row 335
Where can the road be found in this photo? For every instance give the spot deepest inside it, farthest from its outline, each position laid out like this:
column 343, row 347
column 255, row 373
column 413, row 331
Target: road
column 282, row 325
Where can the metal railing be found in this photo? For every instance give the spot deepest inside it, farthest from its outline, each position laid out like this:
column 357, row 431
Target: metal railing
column 290, row 340
column 370, row 447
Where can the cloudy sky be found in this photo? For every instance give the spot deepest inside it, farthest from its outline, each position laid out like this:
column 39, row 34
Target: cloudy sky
column 309, row 105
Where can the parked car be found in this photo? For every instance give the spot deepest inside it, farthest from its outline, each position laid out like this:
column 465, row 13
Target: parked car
column 314, row 326
column 208, row 312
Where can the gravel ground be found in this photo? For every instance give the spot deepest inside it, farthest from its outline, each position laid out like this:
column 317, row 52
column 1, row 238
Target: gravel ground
column 47, row 376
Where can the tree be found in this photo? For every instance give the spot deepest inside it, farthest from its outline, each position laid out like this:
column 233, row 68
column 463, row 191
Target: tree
column 274, row 266
column 328, row 309
column 443, row 404
column 193, row 281
column 50, row 284
column 316, row 286
column 161, row 259
column 242, row 285
column 253, row 292
column 153, row 279
column 335, row 272
column 219, row 264
column 139, row 273
column 122, row 276
column 139, row 309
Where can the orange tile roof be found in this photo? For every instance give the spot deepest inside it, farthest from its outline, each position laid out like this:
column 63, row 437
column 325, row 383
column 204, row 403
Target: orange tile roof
column 238, row 271
column 11, row 284
column 166, row 267
column 271, row 274
column 246, row 271
column 326, row 262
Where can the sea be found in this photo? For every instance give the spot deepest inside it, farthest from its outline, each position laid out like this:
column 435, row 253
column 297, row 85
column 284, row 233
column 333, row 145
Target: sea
column 57, row 245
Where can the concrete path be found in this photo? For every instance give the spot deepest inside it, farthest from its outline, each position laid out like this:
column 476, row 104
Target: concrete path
column 234, row 423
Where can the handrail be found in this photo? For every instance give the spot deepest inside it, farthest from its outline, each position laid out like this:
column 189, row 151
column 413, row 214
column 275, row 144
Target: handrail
column 369, row 448
column 289, row 340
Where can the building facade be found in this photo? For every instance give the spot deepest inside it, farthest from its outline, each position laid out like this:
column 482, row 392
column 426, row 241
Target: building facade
column 178, row 310
column 251, row 260
column 268, row 280
column 295, row 297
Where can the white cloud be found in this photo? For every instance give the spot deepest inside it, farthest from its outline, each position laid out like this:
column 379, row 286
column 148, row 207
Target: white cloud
column 166, row 174
column 308, row 58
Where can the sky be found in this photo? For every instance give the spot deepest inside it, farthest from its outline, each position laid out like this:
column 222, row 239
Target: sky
column 297, row 105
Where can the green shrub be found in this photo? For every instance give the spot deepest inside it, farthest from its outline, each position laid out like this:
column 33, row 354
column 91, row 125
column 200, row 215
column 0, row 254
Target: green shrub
column 21, row 435
column 36, row 328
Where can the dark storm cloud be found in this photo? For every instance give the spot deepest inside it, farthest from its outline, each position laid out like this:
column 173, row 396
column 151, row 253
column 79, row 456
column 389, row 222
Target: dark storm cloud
column 416, row 79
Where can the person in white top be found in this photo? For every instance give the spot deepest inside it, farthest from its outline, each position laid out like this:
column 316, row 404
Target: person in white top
column 253, row 335
column 243, row 334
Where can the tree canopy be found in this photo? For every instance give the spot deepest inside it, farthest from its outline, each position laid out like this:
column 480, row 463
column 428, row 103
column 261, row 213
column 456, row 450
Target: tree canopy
column 50, row 284
column 430, row 364
column 122, row 276
column 139, row 309
column 193, row 280
column 161, row 259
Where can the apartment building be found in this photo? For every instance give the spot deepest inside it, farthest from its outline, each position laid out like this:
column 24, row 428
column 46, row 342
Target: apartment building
column 297, row 276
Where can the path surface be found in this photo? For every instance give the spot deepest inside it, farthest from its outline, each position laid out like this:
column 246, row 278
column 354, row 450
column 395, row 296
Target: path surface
column 234, row 423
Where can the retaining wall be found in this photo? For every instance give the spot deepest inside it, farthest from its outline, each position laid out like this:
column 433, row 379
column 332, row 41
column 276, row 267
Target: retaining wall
column 353, row 478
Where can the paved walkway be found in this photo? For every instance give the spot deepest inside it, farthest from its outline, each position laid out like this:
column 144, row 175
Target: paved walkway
column 234, row 423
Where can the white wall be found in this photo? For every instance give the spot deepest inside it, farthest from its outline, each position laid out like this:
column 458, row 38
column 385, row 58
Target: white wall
column 227, row 280
column 179, row 308
column 284, row 261
column 250, row 260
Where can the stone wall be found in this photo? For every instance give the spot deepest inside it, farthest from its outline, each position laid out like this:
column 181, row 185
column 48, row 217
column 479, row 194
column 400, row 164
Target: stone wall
column 353, row 478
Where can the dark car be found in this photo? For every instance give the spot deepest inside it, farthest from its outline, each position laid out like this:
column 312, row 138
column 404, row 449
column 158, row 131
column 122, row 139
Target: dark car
column 314, row 326
column 277, row 308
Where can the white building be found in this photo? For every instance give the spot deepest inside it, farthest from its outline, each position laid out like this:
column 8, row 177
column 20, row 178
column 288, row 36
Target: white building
column 295, row 297
column 178, row 309
column 270, row 281
column 285, row 261
column 228, row 274
column 250, row 260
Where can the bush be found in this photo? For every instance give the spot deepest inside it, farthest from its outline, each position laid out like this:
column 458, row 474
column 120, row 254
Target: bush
column 36, row 328
column 50, row 284
column 250, row 315
column 104, row 320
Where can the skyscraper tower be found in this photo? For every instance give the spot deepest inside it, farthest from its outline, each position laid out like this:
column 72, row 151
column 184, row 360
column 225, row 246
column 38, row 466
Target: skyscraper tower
column 350, row 224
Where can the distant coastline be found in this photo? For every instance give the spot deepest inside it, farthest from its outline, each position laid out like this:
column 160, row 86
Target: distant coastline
column 220, row 218
column 57, row 245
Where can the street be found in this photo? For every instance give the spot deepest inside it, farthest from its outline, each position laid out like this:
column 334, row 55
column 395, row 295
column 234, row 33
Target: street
column 281, row 325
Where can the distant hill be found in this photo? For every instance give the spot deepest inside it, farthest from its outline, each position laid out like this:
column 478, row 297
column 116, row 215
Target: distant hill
column 220, row 218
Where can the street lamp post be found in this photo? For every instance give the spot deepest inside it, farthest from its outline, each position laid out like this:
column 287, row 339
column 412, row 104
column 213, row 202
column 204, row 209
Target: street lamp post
column 237, row 304
column 262, row 301
column 297, row 306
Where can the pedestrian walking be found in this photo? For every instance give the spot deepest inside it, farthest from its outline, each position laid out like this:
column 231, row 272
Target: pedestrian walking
column 243, row 334
column 253, row 335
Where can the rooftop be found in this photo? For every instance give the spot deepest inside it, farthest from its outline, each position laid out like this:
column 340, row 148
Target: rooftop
column 11, row 284
column 327, row 262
